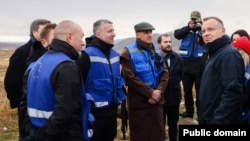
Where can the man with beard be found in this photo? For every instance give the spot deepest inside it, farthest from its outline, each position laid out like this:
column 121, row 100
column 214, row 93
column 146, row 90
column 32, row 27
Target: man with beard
column 172, row 93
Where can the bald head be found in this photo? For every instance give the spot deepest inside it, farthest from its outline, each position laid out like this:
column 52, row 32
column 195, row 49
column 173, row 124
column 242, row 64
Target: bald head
column 65, row 27
column 70, row 32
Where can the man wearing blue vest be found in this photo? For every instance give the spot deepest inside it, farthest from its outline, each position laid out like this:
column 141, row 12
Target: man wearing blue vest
column 103, row 80
column 56, row 100
column 46, row 36
column 191, row 51
column 146, row 76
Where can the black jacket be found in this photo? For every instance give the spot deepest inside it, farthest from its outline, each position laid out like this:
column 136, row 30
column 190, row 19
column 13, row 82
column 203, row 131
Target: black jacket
column 65, row 122
column 36, row 51
column 13, row 80
column 66, row 118
column 172, row 93
column 221, row 90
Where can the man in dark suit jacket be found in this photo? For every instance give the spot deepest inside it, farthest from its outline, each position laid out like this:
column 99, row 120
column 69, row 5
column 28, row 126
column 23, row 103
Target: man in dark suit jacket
column 13, row 80
column 172, row 93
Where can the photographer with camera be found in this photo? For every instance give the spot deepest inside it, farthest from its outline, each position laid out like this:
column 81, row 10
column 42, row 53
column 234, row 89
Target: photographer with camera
column 191, row 51
column 195, row 23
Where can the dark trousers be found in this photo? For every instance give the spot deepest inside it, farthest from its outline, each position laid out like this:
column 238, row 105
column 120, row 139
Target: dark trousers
column 105, row 126
column 188, row 81
column 20, row 114
column 172, row 113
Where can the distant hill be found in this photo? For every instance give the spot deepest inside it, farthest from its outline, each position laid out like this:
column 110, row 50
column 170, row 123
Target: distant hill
column 121, row 43
column 10, row 45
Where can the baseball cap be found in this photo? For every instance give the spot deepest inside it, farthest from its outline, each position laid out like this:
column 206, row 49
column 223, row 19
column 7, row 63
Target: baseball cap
column 195, row 15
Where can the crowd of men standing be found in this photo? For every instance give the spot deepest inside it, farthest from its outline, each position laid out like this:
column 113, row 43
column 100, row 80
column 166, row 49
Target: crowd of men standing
column 69, row 93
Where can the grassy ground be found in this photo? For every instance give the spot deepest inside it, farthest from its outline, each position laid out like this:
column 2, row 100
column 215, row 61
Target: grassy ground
column 8, row 126
column 8, row 117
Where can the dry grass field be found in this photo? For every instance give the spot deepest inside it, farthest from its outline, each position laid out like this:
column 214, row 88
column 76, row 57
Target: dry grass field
column 8, row 117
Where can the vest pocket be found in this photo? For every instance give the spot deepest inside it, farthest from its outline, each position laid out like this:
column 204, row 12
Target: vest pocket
column 119, row 82
column 101, row 85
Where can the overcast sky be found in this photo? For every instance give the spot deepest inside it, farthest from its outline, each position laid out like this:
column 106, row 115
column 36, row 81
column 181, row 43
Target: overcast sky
column 164, row 15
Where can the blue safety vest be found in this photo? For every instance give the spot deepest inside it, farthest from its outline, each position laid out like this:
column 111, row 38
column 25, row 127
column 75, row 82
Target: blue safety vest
column 146, row 67
column 88, row 119
column 190, row 45
column 104, row 82
column 40, row 96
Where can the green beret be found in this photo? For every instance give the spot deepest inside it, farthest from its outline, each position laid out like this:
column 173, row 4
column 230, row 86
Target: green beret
column 143, row 26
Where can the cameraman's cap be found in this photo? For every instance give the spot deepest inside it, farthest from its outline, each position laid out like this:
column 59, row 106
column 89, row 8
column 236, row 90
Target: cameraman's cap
column 195, row 15
column 143, row 26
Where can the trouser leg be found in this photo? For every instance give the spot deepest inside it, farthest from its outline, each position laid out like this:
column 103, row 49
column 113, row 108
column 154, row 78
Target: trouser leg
column 188, row 81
